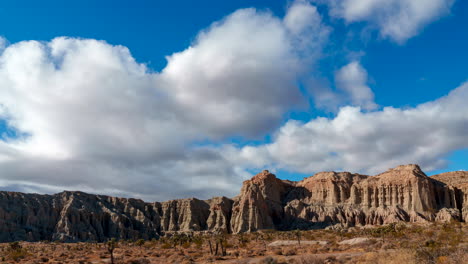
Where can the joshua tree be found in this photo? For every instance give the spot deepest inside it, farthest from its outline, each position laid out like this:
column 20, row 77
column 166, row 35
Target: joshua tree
column 297, row 234
column 111, row 245
column 220, row 244
column 340, row 232
column 211, row 246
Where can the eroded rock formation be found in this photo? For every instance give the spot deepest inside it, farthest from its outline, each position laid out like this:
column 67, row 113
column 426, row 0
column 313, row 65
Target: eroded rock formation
column 404, row 193
column 459, row 181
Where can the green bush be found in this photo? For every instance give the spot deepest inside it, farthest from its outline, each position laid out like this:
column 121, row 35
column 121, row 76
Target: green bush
column 140, row 242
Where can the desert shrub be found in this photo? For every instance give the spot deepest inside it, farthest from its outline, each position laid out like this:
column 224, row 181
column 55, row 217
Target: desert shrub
column 348, row 235
column 269, row 234
column 416, row 230
column 243, row 239
column 16, row 252
column 186, row 245
column 313, row 249
column 140, row 242
column 395, row 257
column 431, row 251
column 431, row 243
column 278, row 251
column 15, row 245
column 427, row 255
column 242, row 245
column 383, row 231
column 269, row 260
column 310, row 260
column 289, row 252
column 450, row 227
column 138, row 261
column 387, row 246
column 235, row 253
column 429, row 233
column 166, row 246
column 198, row 241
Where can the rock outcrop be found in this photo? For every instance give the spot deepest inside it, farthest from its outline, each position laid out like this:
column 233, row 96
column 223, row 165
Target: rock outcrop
column 459, row 181
column 326, row 199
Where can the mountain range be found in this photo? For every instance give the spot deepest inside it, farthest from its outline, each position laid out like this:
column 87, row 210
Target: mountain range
column 324, row 200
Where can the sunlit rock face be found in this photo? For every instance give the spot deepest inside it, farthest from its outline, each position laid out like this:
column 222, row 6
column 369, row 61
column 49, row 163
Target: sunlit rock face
column 325, row 199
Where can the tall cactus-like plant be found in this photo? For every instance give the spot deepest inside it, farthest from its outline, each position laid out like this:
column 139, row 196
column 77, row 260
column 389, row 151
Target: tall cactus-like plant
column 298, row 235
column 111, row 245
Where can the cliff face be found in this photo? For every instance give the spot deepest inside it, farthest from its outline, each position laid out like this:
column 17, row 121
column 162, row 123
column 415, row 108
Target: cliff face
column 404, row 193
column 459, row 181
column 75, row 216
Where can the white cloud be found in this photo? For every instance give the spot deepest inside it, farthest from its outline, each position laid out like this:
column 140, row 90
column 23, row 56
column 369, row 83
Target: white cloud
column 367, row 142
column 352, row 79
column 245, row 69
column 308, row 32
column 55, row 92
column 90, row 117
column 350, row 88
column 395, row 19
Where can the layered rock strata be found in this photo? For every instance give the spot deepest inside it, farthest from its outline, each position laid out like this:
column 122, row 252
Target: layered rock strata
column 404, row 193
column 459, row 181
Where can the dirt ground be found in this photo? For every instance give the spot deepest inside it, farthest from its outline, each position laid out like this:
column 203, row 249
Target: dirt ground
column 397, row 243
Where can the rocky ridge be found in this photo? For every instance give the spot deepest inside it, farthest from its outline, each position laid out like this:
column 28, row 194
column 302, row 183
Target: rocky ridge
column 459, row 180
column 326, row 199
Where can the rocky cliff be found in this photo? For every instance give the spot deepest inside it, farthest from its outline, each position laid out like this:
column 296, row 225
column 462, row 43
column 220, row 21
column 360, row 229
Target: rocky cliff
column 325, row 199
column 459, row 180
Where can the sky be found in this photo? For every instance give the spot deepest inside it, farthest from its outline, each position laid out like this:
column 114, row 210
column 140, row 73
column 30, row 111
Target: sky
column 173, row 99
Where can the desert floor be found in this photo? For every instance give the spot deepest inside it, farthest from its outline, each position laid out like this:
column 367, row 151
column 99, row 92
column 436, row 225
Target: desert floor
column 396, row 243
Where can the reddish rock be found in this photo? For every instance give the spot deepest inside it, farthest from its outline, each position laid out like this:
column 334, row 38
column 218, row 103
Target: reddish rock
column 326, row 199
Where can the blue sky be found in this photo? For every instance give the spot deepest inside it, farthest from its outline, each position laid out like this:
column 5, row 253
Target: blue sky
column 150, row 29
column 401, row 69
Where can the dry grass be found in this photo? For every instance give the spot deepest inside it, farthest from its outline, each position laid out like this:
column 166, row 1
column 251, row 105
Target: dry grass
column 434, row 243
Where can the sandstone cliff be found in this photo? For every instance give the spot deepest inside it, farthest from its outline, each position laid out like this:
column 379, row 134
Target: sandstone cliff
column 459, row 181
column 404, row 193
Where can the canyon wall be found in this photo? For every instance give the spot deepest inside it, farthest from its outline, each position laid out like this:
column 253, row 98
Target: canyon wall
column 326, row 199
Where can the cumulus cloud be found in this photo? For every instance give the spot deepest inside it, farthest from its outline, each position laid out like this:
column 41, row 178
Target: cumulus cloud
column 308, row 31
column 366, row 142
column 352, row 79
column 398, row 20
column 241, row 73
column 89, row 117
column 350, row 88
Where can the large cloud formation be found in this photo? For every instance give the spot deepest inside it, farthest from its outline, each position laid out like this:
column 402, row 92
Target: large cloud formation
column 367, row 142
column 88, row 116
column 352, row 80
